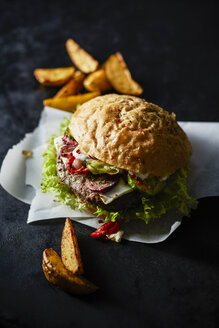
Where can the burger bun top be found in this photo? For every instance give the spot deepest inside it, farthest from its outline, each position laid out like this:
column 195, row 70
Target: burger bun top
column 132, row 134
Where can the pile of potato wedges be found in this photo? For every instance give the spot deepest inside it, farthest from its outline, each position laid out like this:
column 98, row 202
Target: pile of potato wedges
column 87, row 74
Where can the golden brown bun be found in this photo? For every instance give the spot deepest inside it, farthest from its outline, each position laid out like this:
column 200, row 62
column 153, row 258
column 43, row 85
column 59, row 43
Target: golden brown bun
column 132, row 134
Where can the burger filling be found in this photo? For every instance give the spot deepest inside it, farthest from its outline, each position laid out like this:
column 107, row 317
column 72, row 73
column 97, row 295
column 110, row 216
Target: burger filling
column 91, row 180
column 81, row 181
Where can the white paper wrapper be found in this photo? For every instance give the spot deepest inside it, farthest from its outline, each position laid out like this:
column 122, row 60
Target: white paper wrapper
column 24, row 182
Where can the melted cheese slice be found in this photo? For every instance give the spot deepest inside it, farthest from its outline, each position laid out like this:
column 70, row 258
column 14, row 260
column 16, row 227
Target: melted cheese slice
column 119, row 190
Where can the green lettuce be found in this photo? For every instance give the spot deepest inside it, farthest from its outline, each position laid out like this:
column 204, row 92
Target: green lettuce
column 151, row 186
column 173, row 196
column 50, row 181
column 64, row 126
column 109, row 216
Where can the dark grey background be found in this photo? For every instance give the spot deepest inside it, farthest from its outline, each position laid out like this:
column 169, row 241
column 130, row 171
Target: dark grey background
column 171, row 48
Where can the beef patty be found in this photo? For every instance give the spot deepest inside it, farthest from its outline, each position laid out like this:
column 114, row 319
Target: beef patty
column 83, row 187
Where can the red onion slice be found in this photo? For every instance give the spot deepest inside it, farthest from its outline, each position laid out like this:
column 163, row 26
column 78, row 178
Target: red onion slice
column 101, row 184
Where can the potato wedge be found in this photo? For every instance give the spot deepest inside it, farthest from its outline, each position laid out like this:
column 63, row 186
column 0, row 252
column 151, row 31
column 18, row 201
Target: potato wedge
column 82, row 60
column 74, row 85
column 70, row 252
column 54, row 76
column 69, row 103
column 57, row 274
column 119, row 76
column 97, row 81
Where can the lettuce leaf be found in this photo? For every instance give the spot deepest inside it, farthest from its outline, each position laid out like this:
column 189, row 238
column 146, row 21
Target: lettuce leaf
column 64, row 125
column 151, row 186
column 50, row 181
column 109, row 216
column 173, row 196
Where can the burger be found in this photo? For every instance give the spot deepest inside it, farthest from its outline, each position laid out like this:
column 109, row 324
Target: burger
column 121, row 158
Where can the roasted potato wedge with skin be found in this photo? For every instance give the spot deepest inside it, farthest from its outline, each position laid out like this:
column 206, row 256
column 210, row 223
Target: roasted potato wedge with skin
column 74, row 86
column 57, row 274
column 54, row 76
column 119, row 76
column 70, row 252
column 81, row 59
column 97, row 81
column 69, row 103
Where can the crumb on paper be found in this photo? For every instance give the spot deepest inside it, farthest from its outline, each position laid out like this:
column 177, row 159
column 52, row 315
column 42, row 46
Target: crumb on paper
column 27, row 153
column 116, row 236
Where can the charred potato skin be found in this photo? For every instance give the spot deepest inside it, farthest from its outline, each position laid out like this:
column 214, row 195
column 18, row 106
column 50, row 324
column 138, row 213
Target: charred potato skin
column 57, row 274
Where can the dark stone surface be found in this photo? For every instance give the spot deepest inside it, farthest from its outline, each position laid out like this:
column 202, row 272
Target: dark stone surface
column 172, row 50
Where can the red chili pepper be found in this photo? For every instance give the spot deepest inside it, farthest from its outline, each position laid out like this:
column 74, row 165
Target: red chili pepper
column 107, row 228
column 71, row 160
column 149, row 187
column 132, row 176
column 114, row 228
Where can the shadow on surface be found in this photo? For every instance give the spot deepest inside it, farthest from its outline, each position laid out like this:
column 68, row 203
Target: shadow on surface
column 197, row 237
